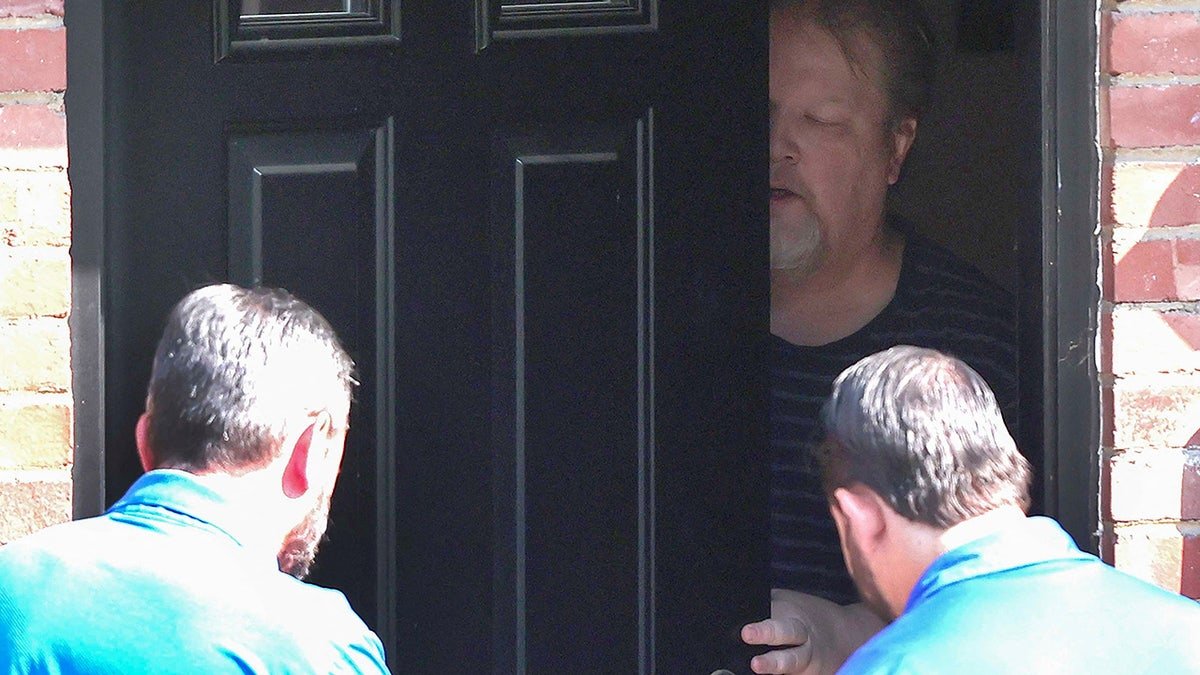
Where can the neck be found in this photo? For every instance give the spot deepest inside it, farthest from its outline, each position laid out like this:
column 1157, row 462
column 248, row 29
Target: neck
column 839, row 297
column 978, row 527
column 916, row 546
column 268, row 520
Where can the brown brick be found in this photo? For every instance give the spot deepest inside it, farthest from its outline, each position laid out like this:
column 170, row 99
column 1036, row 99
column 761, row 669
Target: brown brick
column 34, row 60
column 35, row 282
column 1155, row 485
column 1167, row 42
column 1156, row 194
column 36, row 356
column 1107, row 188
column 1175, row 336
column 30, row 8
column 36, row 435
column 1160, row 412
column 31, row 126
column 35, row 208
column 1152, row 116
column 1161, row 553
column 29, row 502
column 9, row 197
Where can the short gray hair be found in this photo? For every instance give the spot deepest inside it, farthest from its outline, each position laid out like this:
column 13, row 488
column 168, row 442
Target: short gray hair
column 233, row 366
column 923, row 430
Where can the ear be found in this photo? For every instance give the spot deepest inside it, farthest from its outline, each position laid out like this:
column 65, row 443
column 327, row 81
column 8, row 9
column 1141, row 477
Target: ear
column 297, row 473
column 141, row 438
column 859, row 514
column 313, row 455
column 902, row 138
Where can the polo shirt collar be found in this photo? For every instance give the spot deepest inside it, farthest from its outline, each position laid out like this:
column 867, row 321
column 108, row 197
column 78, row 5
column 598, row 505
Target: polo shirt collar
column 1033, row 540
column 191, row 499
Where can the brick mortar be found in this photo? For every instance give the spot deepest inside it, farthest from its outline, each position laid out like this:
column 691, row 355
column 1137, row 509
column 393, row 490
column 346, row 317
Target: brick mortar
column 1133, row 379
column 1186, row 528
column 35, row 398
column 1149, row 6
column 20, row 23
column 1164, row 80
column 1177, row 154
column 1125, row 236
column 54, row 100
column 34, row 475
column 1176, row 307
column 1141, row 450
column 1121, row 233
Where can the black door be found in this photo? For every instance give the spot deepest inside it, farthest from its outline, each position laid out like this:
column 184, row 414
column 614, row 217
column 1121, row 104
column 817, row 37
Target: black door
column 540, row 228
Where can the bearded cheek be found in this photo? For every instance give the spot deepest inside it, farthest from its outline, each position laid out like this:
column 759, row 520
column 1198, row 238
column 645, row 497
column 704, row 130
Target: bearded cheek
column 793, row 245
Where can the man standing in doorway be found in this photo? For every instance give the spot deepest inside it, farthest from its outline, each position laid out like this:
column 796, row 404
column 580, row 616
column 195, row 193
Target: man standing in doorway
column 197, row 568
column 849, row 80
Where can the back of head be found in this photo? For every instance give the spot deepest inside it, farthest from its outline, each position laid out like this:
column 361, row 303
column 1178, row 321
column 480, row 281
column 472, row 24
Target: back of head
column 899, row 29
column 923, row 430
column 234, row 365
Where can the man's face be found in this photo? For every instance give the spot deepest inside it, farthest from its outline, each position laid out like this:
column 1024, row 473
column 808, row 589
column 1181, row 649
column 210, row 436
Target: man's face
column 832, row 158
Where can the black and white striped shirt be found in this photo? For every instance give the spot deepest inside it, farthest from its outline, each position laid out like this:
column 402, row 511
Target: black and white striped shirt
column 941, row 303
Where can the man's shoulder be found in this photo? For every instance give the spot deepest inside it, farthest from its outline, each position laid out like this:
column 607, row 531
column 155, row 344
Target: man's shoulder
column 91, row 582
column 936, row 273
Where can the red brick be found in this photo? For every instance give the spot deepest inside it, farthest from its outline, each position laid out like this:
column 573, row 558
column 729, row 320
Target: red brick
column 1189, row 578
column 1187, row 252
column 1180, row 204
column 1108, row 541
column 1154, row 116
column 34, row 60
column 31, row 126
column 1145, row 273
column 1167, row 42
column 30, row 8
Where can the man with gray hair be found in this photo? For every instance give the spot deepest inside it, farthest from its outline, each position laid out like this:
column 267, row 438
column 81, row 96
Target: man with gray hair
column 929, row 494
column 850, row 81
column 198, row 567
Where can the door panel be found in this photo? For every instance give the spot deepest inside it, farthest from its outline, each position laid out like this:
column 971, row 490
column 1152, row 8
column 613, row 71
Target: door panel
column 573, row 419
column 540, row 230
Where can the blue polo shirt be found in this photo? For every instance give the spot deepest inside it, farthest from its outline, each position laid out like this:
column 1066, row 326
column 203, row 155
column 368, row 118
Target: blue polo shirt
column 1026, row 600
column 162, row 583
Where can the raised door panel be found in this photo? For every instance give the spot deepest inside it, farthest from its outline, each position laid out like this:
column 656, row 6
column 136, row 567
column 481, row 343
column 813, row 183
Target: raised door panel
column 310, row 210
column 573, row 399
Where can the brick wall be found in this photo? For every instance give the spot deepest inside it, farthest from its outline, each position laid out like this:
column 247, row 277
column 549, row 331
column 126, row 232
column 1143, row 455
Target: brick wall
column 35, row 270
column 1150, row 338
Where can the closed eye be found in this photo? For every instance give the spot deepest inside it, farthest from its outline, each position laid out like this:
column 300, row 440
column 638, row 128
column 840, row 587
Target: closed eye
column 821, row 121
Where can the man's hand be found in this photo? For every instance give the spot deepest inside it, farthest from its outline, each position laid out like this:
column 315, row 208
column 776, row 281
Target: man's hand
column 816, row 635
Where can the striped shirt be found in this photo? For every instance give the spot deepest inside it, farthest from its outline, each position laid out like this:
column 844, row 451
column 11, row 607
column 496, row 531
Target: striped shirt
column 942, row 303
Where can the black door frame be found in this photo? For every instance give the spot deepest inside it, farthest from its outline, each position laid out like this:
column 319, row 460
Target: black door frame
column 1069, row 281
column 1060, row 258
